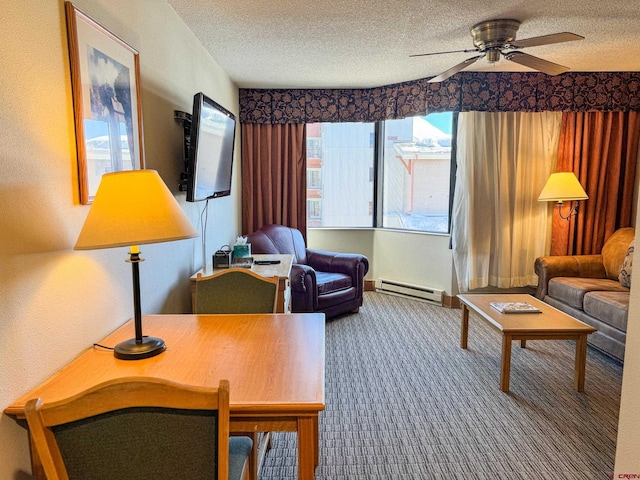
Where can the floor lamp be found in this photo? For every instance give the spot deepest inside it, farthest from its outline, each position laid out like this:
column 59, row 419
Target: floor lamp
column 132, row 208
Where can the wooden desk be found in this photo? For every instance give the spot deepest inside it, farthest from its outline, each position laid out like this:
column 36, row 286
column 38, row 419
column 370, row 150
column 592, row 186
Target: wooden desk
column 281, row 270
column 274, row 363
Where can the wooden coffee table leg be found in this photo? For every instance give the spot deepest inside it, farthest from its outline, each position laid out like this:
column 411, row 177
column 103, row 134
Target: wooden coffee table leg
column 306, row 449
column 316, row 441
column 505, row 367
column 581, row 362
column 464, row 330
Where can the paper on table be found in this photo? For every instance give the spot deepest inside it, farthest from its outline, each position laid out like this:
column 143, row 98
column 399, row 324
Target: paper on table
column 515, row 307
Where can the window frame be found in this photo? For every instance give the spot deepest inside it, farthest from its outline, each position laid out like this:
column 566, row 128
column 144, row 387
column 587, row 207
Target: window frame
column 378, row 180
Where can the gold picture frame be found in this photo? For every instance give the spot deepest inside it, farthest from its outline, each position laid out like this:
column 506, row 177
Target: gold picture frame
column 105, row 80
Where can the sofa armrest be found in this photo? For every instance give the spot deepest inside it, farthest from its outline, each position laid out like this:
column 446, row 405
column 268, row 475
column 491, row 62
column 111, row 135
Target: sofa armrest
column 353, row 264
column 547, row 267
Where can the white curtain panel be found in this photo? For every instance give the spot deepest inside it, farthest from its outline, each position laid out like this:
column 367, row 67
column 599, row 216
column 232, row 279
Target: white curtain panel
column 499, row 227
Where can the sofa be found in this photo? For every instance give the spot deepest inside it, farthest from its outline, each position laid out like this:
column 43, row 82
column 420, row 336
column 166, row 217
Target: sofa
column 327, row 282
column 593, row 288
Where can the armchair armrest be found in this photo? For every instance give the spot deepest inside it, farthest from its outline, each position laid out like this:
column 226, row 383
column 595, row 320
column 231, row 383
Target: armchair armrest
column 303, row 278
column 352, row 264
column 547, row 267
column 303, row 288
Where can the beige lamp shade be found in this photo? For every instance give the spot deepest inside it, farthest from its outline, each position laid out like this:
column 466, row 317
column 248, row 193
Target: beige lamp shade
column 133, row 207
column 562, row 186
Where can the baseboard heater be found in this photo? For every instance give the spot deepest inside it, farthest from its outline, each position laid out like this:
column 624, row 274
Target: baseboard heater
column 425, row 294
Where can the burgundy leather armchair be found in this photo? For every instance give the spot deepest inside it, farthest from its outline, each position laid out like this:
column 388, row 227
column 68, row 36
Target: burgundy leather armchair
column 327, row 282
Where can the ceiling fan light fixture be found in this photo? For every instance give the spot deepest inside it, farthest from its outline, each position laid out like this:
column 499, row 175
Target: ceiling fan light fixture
column 493, row 55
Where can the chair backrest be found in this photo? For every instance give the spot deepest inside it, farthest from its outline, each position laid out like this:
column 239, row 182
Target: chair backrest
column 279, row 239
column 236, row 290
column 134, row 427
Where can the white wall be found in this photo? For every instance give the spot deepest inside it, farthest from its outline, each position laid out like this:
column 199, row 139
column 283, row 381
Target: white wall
column 55, row 301
column 417, row 258
column 343, row 240
column 628, row 446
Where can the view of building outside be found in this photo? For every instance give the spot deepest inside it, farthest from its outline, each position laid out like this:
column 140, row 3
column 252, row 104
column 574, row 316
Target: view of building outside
column 417, row 163
column 415, row 167
column 340, row 174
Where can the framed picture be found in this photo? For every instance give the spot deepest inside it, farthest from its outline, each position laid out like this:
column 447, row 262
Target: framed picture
column 105, row 82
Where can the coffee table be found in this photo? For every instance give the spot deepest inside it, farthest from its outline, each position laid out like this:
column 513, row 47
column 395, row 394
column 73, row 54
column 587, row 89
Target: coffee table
column 551, row 324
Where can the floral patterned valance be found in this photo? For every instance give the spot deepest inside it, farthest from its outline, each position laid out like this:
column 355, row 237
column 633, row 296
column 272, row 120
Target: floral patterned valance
column 466, row 91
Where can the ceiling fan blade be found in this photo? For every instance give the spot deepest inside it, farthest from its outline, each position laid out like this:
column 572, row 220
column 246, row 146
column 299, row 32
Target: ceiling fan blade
column 546, row 40
column 440, row 53
column 536, row 63
column 455, row 69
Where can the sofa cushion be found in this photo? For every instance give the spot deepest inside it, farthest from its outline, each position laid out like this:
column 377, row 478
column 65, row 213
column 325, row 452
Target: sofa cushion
column 610, row 307
column 572, row 290
column 603, row 328
column 332, row 282
column 627, row 265
column 615, row 250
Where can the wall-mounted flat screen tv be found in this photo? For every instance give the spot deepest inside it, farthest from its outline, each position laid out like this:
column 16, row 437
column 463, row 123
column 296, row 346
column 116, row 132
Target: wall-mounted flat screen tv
column 213, row 131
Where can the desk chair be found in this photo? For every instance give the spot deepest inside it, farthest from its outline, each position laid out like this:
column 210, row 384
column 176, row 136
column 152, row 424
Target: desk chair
column 236, row 290
column 138, row 428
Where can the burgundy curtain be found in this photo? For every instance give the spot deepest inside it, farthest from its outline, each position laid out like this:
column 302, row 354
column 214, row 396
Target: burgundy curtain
column 274, row 178
column 601, row 148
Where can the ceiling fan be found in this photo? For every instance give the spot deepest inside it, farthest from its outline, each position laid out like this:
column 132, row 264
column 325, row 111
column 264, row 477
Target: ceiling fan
column 493, row 38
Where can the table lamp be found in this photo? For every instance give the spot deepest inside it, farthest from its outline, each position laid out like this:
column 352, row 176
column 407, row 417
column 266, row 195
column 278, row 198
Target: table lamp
column 563, row 186
column 132, row 208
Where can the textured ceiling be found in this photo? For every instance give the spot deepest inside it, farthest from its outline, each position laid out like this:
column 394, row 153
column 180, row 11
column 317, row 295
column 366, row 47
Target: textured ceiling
column 367, row 43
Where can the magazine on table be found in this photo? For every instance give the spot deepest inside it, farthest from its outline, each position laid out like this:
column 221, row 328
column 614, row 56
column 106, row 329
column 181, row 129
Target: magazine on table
column 515, row 307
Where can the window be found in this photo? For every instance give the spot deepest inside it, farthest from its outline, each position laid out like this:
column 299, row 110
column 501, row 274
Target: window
column 414, row 166
column 314, row 178
column 313, row 209
column 339, row 185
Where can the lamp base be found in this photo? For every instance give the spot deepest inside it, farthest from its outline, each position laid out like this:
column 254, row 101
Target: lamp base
column 132, row 350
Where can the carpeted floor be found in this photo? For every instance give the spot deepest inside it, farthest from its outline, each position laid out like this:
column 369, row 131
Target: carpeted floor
column 404, row 401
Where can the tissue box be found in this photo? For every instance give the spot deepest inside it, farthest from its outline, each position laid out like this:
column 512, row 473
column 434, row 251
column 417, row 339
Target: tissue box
column 241, row 251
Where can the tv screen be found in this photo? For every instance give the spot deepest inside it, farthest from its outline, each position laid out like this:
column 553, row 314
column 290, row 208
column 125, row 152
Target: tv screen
column 213, row 130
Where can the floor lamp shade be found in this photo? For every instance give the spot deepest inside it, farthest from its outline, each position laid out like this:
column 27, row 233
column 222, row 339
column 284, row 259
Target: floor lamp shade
column 132, row 208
